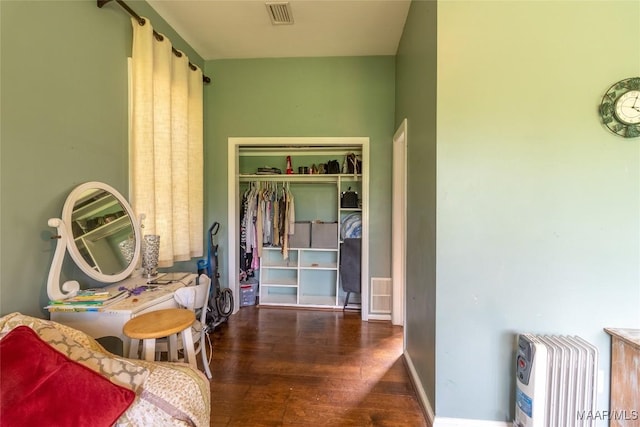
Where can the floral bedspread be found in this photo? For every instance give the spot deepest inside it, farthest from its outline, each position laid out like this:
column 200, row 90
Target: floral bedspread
column 167, row 394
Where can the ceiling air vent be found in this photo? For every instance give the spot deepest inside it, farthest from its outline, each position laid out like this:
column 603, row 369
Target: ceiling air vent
column 280, row 12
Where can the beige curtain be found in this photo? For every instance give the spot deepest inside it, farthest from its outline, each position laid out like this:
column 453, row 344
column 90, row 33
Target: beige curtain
column 166, row 146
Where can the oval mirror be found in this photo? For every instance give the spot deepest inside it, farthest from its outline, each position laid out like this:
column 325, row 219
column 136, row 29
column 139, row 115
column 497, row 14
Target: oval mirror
column 103, row 233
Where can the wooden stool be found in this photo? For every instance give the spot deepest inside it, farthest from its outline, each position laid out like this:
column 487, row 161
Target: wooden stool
column 159, row 324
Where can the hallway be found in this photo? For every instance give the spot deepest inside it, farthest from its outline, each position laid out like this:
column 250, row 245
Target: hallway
column 283, row 367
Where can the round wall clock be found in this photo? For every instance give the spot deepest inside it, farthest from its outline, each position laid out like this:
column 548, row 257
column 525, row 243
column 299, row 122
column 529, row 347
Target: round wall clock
column 620, row 108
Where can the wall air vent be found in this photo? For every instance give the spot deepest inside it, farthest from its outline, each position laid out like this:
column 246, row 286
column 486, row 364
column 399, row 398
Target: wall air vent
column 381, row 295
column 280, row 12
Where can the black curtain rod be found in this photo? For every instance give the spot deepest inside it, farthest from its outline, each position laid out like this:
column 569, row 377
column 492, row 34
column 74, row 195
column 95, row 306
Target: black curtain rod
column 157, row 35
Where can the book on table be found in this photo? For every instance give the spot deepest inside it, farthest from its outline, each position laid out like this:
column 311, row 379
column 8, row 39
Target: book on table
column 87, row 300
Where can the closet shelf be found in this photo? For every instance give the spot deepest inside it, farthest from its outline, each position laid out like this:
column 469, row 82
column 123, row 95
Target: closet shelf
column 306, row 249
column 300, row 177
column 284, row 266
column 282, row 299
column 282, row 284
column 311, row 150
column 319, row 266
column 316, row 301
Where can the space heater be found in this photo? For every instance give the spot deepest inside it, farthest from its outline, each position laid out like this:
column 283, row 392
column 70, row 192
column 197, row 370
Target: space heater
column 555, row 381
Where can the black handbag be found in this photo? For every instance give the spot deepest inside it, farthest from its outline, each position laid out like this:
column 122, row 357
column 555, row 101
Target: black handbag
column 354, row 164
column 349, row 199
column 333, row 166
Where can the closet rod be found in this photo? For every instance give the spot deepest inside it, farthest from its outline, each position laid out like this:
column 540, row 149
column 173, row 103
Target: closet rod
column 277, row 179
column 157, row 35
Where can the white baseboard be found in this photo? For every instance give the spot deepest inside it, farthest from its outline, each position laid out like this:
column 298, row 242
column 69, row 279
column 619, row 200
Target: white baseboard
column 422, row 396
column 463, row 422
column 379, row 317
column 442, row 421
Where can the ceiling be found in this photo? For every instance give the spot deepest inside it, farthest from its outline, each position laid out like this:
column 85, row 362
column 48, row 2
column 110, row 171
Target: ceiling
column 223, row 29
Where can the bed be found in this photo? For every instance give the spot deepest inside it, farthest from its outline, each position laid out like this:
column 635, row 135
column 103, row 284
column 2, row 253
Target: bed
column 56, row 374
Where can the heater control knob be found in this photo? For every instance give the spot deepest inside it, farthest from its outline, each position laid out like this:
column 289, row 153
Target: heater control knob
column 521, row 363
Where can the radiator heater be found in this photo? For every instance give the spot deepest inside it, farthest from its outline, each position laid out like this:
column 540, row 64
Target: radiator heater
column 555, row 381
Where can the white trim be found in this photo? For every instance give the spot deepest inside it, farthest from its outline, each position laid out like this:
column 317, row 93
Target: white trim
column 465, row 422
column 300, row 141
column 386, row 317
column 417, row 384
column 233, row 232
column 365, row 224
column 399, row 225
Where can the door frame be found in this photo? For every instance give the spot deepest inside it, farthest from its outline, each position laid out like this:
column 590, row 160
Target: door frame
column 233, row 200
column 399, row 224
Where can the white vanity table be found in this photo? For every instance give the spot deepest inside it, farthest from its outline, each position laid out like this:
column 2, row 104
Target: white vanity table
column 101, row 233
column 108, row 322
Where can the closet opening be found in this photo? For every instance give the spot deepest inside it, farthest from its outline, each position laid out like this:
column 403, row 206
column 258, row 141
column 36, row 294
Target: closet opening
column 299, row 222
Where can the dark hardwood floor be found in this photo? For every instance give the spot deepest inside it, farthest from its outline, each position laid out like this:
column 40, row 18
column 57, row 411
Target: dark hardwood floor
column 282, row 367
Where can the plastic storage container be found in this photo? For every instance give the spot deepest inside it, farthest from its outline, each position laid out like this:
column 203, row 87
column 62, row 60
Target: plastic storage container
column 324, row 235
column 248, row 294
column 301, row 238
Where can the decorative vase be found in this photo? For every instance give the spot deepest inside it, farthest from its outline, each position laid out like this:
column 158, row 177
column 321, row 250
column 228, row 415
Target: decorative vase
column 150, row 253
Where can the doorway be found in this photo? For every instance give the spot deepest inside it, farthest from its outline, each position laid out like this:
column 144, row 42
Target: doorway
column 399, row 220
column 256, row 147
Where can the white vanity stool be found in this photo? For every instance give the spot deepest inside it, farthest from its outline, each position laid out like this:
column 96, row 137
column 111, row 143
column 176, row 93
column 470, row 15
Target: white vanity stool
column 166, row 323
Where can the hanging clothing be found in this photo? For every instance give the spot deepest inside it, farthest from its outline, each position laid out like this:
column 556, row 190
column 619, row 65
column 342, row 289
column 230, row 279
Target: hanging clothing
column 259, row 223
column 288, row 218
column 267, row 229
column 243, row 233
column 267, row 219
column 276, row 220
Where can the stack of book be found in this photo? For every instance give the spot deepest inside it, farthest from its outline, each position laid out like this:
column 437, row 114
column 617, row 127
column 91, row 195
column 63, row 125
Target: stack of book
column 88, row 300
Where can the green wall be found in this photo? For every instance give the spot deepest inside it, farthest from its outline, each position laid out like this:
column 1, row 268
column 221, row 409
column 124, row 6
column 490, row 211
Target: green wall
column 351, row 96
column 64, row 121
column 538, row 205
column 416, row 101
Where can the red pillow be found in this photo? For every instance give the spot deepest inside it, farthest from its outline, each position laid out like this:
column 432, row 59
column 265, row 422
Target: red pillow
column 41, row 386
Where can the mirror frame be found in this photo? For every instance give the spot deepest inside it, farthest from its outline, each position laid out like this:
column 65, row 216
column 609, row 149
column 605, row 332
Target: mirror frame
column 67, row 211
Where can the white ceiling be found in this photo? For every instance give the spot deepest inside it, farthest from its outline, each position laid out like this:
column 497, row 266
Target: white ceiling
column 222, row 29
